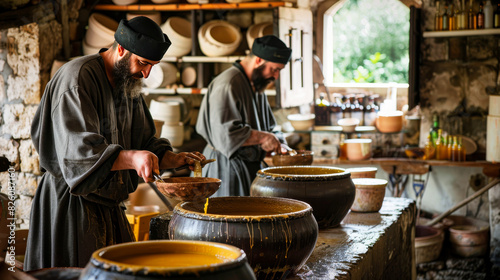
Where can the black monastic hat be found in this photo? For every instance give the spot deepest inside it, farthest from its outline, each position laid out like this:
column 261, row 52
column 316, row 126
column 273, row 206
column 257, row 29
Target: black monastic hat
column 271, row 48
column 142, row 37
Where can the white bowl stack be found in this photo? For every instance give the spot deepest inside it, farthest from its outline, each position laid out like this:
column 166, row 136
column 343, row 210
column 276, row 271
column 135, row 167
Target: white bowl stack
column 493, row 129
column 219, row 38
column 258, row 30
column 100, row 33
column 161, row 75
column 178, row 30
column 170, row 113
column 154, row 16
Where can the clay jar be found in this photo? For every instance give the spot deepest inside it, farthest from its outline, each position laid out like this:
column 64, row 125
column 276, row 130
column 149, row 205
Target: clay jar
column 301, row 158
column 163, row 259
column 370, row 194
column 428, row 243
column 362, row 172
column 329, row 190
column 277, row 234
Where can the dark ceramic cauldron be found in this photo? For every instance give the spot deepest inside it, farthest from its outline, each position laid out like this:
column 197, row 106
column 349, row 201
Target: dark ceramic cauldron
column 277, row 234
column 329, row 190
column 167, row 259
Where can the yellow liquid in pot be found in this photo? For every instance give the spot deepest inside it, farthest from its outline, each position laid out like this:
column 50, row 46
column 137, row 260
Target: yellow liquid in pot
column 171, row 260
column 206, row 206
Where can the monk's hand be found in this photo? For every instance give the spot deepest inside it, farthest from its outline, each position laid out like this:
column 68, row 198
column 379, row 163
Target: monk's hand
column 269, row 142
column 145, row 163
column 173, row 160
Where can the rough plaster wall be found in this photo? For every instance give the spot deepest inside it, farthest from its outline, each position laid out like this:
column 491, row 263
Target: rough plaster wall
column 26, row 55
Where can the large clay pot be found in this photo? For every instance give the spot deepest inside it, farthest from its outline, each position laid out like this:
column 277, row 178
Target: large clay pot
column 329, row 190
column 186, row 260
column 277, row 234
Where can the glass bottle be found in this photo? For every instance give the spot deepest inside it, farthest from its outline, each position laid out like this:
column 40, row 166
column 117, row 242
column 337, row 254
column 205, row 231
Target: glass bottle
column 471, row 17
column 346, row 107
column 445, row 18
column 322, row 110
column 441, row 149
column 438, row 19
column 434, row 128
column 480, row 17
column 452, row 25
column 455, row 153
column 450, row 145
column 496, row 17
column 357, row 108
column 488, row 14
column 370, row 112
column 342, row 148
column 336, row 108
column 462, row 21
column 463, row 154
column 429, row 149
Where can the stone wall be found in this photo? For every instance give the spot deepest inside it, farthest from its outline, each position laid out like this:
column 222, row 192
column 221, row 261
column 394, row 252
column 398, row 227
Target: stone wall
column 26, row 55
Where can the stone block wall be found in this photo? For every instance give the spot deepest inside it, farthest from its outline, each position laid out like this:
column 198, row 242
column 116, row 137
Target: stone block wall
column 26, row 56
column 456, row 76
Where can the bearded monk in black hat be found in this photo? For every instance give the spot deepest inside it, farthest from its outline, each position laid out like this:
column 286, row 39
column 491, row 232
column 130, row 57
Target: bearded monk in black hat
column 236, row 119
column 95, row 138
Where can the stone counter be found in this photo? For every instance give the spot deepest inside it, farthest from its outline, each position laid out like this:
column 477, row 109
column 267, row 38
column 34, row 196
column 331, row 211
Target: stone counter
column 367, row 246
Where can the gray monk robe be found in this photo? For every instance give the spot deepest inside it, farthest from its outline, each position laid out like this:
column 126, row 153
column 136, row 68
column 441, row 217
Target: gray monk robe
column 78, row 131
column 228, row 113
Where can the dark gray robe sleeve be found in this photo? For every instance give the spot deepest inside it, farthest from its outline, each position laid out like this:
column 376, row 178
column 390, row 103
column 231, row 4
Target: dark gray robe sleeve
column 223, row 123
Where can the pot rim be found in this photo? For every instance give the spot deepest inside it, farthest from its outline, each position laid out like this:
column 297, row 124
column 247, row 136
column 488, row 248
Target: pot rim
column 179, row 210
column 141, row 270
column 266, row 173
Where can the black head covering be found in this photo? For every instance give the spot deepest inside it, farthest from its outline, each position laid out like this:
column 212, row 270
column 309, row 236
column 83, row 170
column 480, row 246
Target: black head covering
column 142, row 37
column 271, row 48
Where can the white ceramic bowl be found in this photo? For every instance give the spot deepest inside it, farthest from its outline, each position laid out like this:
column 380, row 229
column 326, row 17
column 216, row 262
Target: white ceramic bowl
column 178, row 30
column 161, row 75
column 174, row 133
column 89, row 49
column 349, row 124
column 169, row 112
column 101, row 31
column 242, row 19
column 302, row 122
column 358, row 149
column 188, row 76
column 124, row 2
column 154, row 16
column 219, row 38
column 258, row 30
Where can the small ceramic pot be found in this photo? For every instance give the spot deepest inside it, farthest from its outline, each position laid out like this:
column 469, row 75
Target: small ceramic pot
column 358, row 149
column 370, row 194
column 389, row 122
column 348, row 125
column 302, row 122
column 428, row 243
column 362, row 172
column 469, row 240
column 178, row 29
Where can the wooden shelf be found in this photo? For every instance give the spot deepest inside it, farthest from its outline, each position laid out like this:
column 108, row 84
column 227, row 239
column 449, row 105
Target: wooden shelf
column 188, row 90
column 190, row 7
column 461, row 33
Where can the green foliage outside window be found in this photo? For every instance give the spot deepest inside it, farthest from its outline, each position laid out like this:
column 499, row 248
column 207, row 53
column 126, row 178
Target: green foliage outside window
column 371, row 42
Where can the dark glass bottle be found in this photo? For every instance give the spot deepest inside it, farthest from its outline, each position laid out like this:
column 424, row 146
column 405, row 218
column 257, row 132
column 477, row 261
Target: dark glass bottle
column 336, row 109
column 446, row 22
column 370, row 112
column 480, row 17
column 346, row 107
column 472, row 22
column 496, row 17
column 357, row 108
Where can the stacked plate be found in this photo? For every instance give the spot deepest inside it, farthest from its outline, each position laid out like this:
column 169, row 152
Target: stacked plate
column 100, row 33
column 170, row 113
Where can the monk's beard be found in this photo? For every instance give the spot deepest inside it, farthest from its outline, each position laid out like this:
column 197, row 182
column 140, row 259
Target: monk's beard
column 259, row 82
column 124, row 82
